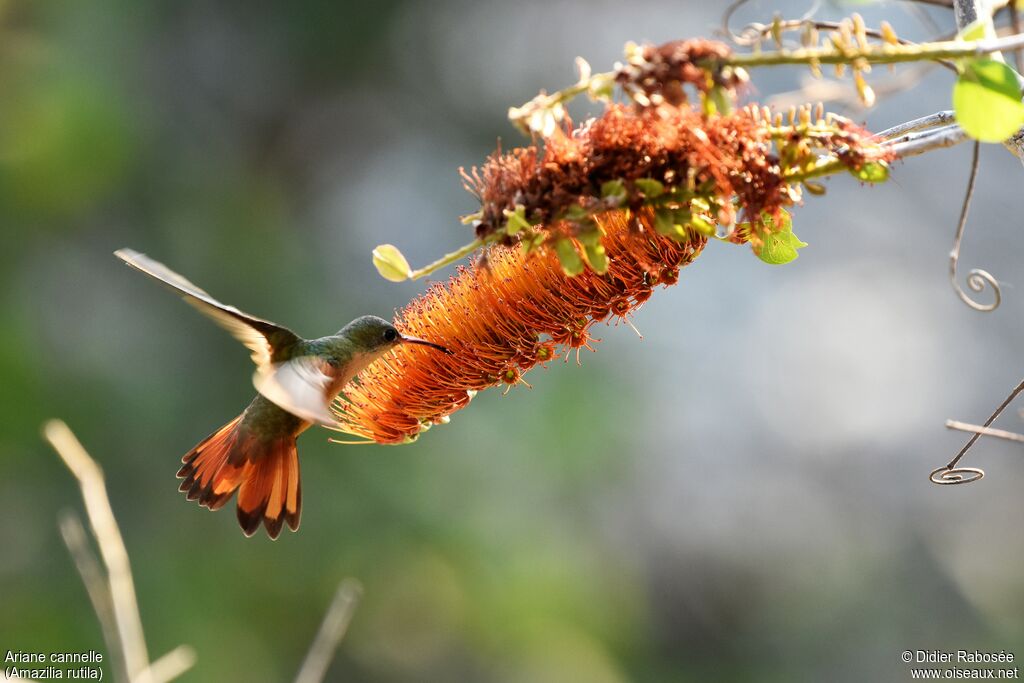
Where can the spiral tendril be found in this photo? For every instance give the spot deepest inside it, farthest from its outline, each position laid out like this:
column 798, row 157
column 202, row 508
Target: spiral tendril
column 948, row 476
column 977, row 279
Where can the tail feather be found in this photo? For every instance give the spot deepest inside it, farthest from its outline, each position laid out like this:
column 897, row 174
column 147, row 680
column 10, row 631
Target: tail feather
column 265, row 474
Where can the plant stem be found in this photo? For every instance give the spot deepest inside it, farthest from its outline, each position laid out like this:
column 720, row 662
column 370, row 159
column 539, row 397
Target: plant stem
column 875, row 54
column 451, row 257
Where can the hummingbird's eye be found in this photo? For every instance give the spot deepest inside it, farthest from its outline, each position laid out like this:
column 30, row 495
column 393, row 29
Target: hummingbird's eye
column 390, row 334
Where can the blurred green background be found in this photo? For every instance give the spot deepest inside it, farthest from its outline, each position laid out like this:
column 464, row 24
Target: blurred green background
column 740, row 495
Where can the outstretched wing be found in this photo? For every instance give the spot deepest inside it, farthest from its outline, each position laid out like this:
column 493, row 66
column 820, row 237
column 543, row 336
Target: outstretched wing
column 263, row 338
column 303, row 386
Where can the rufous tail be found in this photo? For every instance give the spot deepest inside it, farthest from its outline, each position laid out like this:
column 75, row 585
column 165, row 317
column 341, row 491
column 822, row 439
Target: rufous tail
column 265, row 474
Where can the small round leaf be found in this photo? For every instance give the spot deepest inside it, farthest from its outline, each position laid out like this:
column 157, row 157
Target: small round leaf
column 987, row 100
column 390, row 263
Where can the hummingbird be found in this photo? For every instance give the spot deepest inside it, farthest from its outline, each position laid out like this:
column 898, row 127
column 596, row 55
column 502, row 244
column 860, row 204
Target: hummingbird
column 296, row 380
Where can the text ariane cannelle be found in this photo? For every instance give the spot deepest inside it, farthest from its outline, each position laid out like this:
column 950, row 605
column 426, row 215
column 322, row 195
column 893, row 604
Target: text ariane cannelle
column 53, row 665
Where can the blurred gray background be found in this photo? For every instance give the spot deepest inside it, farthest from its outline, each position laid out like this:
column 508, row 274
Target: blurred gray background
column 740, row 495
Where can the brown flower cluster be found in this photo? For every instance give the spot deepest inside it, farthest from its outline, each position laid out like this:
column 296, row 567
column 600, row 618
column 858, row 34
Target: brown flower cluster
column 747, row 162
column 659, row 72
column 500, row 319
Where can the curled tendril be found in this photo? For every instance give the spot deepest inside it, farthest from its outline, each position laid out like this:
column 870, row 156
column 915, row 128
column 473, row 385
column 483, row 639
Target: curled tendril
column 977, row 279
column 951, row 474
column 754, row 32
column 948, row 476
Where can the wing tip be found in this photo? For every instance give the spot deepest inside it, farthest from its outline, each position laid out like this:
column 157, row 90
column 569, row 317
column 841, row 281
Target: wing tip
column 127, row 255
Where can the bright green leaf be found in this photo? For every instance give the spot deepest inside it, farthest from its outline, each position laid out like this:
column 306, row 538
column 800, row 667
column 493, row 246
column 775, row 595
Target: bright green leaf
column 591, row 236
column 531, row 241
column 614, row 190
column 390, row 263
column 869, row 172
column 570, row 259
column 974, row 30
column 664, row 221
column 719, row 97
column 986, row 100
column 649, row 186
column 702, row 225
column 596, row 257
column 516, row 220
column 700, row 204
column 780, row 246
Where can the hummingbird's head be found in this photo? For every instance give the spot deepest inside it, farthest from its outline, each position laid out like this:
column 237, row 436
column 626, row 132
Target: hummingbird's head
column 376, row 335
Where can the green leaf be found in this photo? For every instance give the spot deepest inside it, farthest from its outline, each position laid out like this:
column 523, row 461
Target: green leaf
column 531, row 241
column 590, row 236
column 390, row 263
column 674, row 223
column 575, row 213
column 974, row 30
column 614, row 190
column 700, row 204
column 780, row 246
column 702, row 225
column 664, row 221
column 870, row 172
column 596, row 257
column 570, row 259
column 719, row 99
column 516, row 220
column 986, row 100
column 649, row 186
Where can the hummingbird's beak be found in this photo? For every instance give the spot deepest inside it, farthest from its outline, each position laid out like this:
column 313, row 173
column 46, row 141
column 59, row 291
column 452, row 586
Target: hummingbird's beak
column 424, row 342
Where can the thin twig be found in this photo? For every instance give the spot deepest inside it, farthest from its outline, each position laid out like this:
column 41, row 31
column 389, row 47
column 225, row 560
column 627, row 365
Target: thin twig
column 173, row 664
column 988, row 423
column 73, row 533
column 919, row 143
column 1018, row 57
column 447, row 259
column 937, row 132
column 332, row 630
column 985, row 431
column 111, row 545
column 940, row 118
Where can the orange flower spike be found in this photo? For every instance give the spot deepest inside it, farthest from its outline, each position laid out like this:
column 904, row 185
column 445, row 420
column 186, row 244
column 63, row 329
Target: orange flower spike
column 500, row 321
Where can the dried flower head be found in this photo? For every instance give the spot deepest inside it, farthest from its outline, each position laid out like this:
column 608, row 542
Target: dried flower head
column 693, row 169
column 656, row 74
